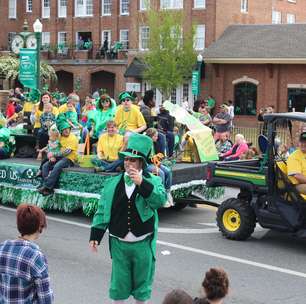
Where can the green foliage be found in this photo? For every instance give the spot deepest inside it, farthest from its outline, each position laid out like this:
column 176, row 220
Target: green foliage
column 9, row 67
column 171, row 54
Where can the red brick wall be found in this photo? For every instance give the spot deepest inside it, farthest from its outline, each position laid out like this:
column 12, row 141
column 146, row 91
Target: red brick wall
column 285, row 7
column 272, row 88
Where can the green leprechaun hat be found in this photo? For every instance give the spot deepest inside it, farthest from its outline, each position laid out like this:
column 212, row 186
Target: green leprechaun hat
column 124, row 95
column 139, row 146
column 62, row 123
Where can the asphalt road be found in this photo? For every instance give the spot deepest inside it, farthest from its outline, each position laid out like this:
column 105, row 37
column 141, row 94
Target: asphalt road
column 268, row 268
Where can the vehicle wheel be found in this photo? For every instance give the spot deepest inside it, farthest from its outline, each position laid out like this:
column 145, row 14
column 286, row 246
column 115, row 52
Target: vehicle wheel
column 236, row 219
column 179, row 206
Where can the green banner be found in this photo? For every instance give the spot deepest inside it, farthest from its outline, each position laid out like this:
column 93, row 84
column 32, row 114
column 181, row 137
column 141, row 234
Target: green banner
column 28, row 68
column 16, row 174
column 201, row 134
column 195, row 82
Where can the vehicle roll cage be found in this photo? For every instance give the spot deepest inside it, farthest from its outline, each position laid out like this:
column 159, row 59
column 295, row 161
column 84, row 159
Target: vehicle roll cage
column 271, row 120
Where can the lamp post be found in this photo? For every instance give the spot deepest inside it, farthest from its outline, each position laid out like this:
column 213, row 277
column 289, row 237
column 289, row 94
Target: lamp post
column 199, row 62
column 37, row 26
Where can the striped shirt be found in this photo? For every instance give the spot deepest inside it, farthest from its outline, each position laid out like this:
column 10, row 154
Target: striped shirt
column 24, row 277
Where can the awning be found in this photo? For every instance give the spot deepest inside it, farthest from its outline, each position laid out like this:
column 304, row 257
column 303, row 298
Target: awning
column 135, row 69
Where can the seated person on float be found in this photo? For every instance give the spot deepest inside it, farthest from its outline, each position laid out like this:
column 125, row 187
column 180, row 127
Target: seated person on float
column 296, row 165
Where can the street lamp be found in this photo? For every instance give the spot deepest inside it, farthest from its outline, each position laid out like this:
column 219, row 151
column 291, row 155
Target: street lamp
column 37, row 26
column 199, row 61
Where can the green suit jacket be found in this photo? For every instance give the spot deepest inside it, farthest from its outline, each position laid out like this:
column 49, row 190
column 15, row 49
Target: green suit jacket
column 146, row 205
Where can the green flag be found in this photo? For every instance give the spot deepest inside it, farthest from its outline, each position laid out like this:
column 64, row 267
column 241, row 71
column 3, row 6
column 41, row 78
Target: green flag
column 28, row 68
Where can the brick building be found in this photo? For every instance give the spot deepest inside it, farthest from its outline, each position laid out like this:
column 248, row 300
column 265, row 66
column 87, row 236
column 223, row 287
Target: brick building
column 65, row 21
column 257, row 66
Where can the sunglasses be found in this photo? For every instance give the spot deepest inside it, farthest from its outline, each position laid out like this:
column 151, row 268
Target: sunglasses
column 130, row 159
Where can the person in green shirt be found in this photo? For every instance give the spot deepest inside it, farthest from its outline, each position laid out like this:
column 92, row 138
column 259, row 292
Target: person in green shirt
column 211, row 102
column 128, row 210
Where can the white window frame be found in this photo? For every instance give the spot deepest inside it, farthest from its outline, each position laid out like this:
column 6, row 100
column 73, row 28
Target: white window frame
column 81, row 10
column 10, row 37
column 124, row 13
column 144, row 5
column 45, row 10
column 291, row 18
column 199, row 4
column 198, row 45
column 171, row 4
column 59, row 38
column 62, row 10
column 109, row 37
column 125, row 42
column 29, row 6
column 244, row 7
column 12, row 9
column 103, row 6
column 45, row 38
column 276, row 17
column 141, row 28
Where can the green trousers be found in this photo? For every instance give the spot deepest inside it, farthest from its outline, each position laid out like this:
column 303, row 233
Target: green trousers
column 133, row 267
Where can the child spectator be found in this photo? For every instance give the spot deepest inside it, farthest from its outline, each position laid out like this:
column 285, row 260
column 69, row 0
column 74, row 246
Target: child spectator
column 23, row 266
column 223, row 144
column 109, row 145
column 237, row 150
column 177, row 296
column 53, row 147
column 47, row 119
column 215, row 285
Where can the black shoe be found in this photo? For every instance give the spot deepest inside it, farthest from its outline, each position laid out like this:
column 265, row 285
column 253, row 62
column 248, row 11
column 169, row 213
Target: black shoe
column 45, row 191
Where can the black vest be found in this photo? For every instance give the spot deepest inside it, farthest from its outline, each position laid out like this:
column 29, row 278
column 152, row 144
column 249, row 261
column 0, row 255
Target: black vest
column 125, row 217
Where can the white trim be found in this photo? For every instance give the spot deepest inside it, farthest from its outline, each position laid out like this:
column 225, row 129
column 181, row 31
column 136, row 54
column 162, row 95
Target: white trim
column 102, row 7
column 124, row 13
column 199, row 6
column 256, row 60
column 45, row 11
column 27, row 6
column 63, row 13
column 140, row 40
column 108, row 40
column 14, row 3
column 245, row 79
column 296, row 86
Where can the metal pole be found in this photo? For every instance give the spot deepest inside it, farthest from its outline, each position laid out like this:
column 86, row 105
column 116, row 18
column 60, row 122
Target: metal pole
column 38, row 47
column 199, row 69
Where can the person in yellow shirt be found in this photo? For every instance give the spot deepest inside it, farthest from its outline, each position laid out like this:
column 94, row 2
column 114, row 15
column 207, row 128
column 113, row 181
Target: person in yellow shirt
column 64, row 107
column 128, row 117
column 109, row 145
column 52, row 169
column 38, row 110
column 296, row 165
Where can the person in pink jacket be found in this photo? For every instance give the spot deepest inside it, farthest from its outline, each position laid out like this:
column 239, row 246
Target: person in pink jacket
column 237, row 150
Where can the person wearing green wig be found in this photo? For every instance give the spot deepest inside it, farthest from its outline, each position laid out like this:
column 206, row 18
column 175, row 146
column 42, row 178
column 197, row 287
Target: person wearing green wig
column 105, row 111
column 128, row 209
column 6, row 145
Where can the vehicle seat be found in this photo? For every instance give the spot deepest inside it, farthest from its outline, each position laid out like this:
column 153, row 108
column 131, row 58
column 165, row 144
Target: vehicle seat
column 283, row 180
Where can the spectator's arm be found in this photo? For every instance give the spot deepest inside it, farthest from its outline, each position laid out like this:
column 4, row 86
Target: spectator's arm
column 240, row 150
column 300, row 178
column 141, row 129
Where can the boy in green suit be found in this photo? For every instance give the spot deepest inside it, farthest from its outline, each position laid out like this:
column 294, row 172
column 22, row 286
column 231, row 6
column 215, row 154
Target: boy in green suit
column 128, row 209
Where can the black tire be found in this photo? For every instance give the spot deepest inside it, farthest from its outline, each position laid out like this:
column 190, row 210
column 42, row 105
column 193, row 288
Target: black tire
column 179, row 206
column 236, row 219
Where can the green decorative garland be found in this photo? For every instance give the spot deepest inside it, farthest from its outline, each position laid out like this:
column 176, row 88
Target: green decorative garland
column 76, row 190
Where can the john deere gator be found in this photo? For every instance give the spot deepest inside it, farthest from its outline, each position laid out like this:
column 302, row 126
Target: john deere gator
column 266, row 194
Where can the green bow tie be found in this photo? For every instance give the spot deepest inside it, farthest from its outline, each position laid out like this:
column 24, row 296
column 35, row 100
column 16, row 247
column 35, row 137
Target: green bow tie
column 128, row 180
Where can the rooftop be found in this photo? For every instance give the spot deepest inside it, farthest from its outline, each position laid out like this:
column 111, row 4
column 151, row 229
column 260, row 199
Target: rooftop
column 274, row 43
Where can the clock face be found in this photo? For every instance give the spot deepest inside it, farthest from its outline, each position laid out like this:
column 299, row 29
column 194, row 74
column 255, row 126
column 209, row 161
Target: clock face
column 31, row 42
column 17, row 44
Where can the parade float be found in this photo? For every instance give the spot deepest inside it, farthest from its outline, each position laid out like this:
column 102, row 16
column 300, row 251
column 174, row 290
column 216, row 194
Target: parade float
column 80, row 188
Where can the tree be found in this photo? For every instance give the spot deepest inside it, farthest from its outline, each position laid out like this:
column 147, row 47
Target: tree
column 9, row 69
column 171, row 56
